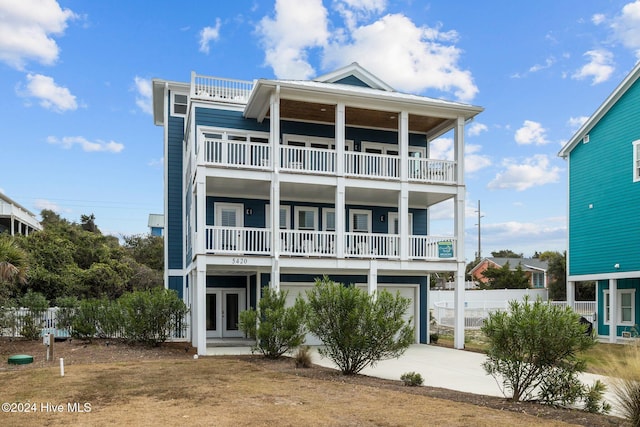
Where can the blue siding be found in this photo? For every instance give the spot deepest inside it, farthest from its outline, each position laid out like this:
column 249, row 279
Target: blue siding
column 228, row 119
column 601, row 176
column 175, row 283
column 352, row 81
column 174, row 192
column 603, row 285
column 258, row 215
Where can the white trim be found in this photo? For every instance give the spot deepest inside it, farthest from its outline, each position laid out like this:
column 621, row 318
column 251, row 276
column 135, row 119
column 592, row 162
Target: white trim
column 603, row 276
column 226, row 132
column 221, row 330
column 173, row 103
column 237, row 207
column 392, row 216
column 298, row 209
column 619, row 293
column 308, row 140
column 325, row 211
column 267, row 217
column 636, row 160
column 360, row 211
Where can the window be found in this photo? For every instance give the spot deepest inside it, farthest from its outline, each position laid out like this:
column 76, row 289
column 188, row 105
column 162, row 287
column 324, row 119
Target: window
column 360, row 221
column 306, row 218
column 179, row 104
column 626, row 307
column 285, row 216
column 636, row 160
column 538, row 280
column 329, row 219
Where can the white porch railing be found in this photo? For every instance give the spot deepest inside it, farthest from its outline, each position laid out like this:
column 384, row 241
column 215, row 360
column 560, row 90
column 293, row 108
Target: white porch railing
column 307, row 243
column 237, row 154
column 372, row 165
column 251, row 155
column 226, row 90
column 257, row 241
column 311, row 160
column 238, row 240
column 371, row 245
column 430, row 170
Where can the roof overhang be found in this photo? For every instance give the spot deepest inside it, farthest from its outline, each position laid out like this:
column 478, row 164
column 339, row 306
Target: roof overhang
column 306, row 100
column 160, row 90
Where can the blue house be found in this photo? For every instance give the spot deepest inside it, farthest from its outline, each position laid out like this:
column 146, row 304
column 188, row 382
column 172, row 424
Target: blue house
column 603, row 159
column 279, row 182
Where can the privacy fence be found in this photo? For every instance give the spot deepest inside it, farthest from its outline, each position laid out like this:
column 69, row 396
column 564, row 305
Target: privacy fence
column 13, row 322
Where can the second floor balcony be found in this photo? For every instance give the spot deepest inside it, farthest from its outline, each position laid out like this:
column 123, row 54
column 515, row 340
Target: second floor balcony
column 258, row 241
column 319, row 161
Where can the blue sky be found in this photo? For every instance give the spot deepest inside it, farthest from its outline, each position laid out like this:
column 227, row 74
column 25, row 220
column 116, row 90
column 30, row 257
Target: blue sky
column 78, row 135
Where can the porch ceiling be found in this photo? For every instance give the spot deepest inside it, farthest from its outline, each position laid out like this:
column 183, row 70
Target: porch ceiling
column 233, row 187
column 358, row 117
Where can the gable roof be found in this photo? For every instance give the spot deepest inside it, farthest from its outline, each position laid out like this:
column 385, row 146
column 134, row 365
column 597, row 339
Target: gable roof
column 528, row 264
column 622, row 88
column 354, row 70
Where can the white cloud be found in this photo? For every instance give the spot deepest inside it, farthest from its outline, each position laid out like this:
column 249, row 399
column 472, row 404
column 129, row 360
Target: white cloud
column 524, row 237
column 298, row 25
column 576, row 122
column 41, row 204
column 531, row 133
column 51, row 96
column 143, row 94
column 442, row 148
column 599, row 67
column 473, row 160
column 156, row 162
column 533, row 172
column 598, row 18
column 415, row 58
column 476, row 129
column 26, row 30
column 626, row 26
column 208, row 34
column 68, row 142
column 353, row 11
column 547, row 64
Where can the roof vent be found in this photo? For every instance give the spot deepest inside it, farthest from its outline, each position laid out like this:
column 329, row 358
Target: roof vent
column 585, row 140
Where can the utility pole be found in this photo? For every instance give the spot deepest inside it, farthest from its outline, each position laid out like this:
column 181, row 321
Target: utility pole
column 479, row 238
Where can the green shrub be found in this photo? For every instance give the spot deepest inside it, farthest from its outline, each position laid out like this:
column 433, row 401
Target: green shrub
column 35, row 304
column 276, row 328
column 412, row 379
column 8, row 319
column 433, row 338
column 110, row 318
column 83, row 323
column 358, row 329
column 150, row 315
column 533, row 352
column 625, row 383
column 67, row 307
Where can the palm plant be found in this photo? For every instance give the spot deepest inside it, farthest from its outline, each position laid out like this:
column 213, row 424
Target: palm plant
column 13, row 263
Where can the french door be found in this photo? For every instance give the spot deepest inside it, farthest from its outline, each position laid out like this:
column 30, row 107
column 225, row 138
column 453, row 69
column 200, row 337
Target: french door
column 223, row 307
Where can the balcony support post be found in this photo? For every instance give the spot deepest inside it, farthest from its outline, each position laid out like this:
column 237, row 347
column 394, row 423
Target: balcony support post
column 459, row 208
column 613, row 311
column 403, row 145
column 372, row 285
column 340, row 218
column 200, row 315
column 403, row 221
column 340, row 138
column 199, row 228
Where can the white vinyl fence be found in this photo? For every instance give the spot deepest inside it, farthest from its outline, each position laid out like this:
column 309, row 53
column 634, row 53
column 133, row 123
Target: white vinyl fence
column 478, row 304
column 49, row 324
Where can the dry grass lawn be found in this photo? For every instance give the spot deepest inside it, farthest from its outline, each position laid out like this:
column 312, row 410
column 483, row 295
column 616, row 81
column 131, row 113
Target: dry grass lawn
column 225, row 392
column 166, row 386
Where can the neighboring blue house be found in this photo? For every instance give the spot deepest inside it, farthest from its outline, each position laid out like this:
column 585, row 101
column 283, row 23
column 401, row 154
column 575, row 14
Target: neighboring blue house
column 278, row 182
column 604, row 209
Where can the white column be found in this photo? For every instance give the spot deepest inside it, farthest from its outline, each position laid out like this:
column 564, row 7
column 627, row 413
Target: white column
column 200, row 216
column 275, row 275
column 340, row 138
column 340, row 217
column 200, row 304
column 613, row 310
column 571, row 293
column 372, row 285
column 403, row 145
column 458, row 303
column 403, row 221
column 274, row 201
column 459, row 207
column 274, row 129
column 428, row 304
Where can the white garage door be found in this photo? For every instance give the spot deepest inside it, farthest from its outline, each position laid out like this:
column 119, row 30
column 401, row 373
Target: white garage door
column 407, row 291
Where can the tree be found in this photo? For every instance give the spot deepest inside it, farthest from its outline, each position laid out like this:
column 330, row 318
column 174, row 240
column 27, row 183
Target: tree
column 276, row 328
column 534, row 351
column 88, row 223
column 146, row 249
column 505, row 253
column 358, row 329
column 505, row 278
column 557, row 273
column 13, row 265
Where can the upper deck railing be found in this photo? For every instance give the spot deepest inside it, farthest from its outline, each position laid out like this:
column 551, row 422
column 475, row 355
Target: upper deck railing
column 219, row 89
